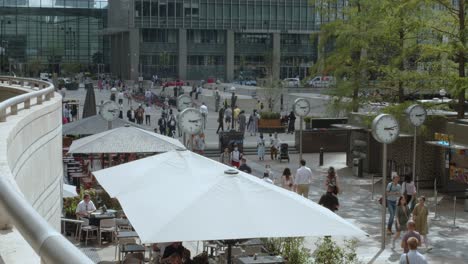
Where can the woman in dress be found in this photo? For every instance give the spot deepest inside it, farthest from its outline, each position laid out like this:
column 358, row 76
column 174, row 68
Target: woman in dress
column 332, row 180
column 261, row 148
column 420, row 214
column 287, row 180
column 401, row 217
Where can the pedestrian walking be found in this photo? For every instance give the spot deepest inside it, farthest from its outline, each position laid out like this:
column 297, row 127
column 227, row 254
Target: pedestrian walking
column 332, row 180
column 303, row 179
column 292, row 121
column 162, row 124
column 261, row 147
column 140, row 113
column 225, row 157
column 199, row 91
column 242, row 122
column 236, row 113
column 217, row 99
column 120, row 111
column 268, row 174
column 220, row 120
column 420, row 214
column 329, row 199
column 131, row 115
column 410, row 226
column 244, row 167
column 287, row 180
column 252, row 124
column 393, row 194
column 413, row 256
column 274, row 146
column 408, row 189
column 204, row 113
column 228, row 117
column 120, row 97
column 148, row 111
column 172, row 123
column 236, row 157
column 402, row 217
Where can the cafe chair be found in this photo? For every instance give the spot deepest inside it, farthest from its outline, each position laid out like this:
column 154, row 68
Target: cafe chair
column 85, row 227
column 121, row 243
column 107, row 226
column 134, row 258
column 123, row 224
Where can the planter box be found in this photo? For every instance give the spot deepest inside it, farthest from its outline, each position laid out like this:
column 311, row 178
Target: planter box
column 270, row 126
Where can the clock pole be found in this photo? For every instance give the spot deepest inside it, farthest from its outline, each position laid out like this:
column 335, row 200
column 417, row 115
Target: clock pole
column 384, row 194
column 109, row 125
column 415, row 179
column 300, row 137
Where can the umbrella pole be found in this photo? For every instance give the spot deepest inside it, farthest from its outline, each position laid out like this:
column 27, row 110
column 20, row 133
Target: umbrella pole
column 229, row 252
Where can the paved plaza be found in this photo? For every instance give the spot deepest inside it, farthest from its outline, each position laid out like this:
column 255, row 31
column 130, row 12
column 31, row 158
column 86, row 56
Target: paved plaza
column 356, row 202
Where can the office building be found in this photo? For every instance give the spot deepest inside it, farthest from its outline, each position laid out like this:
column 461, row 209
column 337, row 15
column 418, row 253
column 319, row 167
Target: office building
column 223, row 39
column 49, row 34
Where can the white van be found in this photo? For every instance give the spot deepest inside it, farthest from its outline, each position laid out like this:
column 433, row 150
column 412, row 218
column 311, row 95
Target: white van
column 44, row 76
column 322, row 81
column 291, row 82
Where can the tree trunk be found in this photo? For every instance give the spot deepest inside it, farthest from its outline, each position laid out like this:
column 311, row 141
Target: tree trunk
column 461, row 60
column 401, row 67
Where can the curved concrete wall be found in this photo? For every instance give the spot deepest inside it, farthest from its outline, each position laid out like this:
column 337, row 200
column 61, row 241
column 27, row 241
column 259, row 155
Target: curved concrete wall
column 31, row 159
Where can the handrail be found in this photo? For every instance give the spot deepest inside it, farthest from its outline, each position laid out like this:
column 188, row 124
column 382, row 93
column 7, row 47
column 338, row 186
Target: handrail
column 12, row 103
column 49, row 244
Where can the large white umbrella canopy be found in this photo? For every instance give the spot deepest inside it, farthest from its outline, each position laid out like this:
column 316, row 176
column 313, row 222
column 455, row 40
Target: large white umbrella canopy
column 182, row 196
column 127, row 139
column 93, row 125
column 69, row 191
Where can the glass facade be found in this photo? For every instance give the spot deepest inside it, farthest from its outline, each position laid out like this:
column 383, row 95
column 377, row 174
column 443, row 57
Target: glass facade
column 51, row 33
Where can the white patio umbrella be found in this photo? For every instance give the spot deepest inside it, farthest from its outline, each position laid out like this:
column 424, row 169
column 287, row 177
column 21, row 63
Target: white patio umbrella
column 182, row 196
column 126, row 139
column 69, row 191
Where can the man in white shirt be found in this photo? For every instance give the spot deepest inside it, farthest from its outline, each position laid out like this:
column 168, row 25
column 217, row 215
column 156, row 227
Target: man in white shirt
column 85, row 207
column 303, row 179
column 199, row 91
column 413, row 256
column 204, row 112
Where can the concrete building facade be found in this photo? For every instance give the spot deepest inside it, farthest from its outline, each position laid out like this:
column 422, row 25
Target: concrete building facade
column 223, row 39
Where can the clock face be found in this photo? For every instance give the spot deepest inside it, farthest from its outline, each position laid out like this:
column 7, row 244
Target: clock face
column 385, row 128
column 301, row 107
column 109, row 111
column 417, row 114
column 183, row 102
column 190, row 121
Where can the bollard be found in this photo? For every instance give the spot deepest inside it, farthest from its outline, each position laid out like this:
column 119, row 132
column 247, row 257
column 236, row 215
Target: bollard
column 436, row 217
column 321, row 157
column 454, row 226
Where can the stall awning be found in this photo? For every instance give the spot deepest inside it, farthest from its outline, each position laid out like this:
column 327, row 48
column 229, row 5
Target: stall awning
column 444, row 144
column 351, row 127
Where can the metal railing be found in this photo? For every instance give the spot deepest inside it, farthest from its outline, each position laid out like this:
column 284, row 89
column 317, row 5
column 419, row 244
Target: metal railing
column 49, row 244
column 40, row 90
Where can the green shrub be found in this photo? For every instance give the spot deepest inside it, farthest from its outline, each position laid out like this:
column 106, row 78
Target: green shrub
column 270, row 115
column 328, row 252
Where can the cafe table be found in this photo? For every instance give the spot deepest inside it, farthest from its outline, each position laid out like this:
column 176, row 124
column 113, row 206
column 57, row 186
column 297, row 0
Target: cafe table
column 260, row 260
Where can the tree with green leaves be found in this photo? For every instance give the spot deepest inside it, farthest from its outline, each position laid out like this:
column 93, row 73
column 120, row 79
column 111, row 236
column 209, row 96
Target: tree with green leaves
column 397, row 50
column 351, row 35
column 446, row 46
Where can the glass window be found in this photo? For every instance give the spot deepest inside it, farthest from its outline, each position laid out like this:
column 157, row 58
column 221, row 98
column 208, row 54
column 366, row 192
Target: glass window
column 227, row 11
column 146, row 8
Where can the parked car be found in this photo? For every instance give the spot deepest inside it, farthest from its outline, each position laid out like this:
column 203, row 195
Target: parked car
column 292, row 82
column 322, row 81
